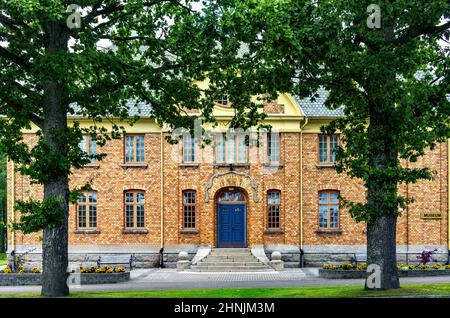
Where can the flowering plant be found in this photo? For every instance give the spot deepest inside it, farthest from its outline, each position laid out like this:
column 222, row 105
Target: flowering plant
column 425, row 257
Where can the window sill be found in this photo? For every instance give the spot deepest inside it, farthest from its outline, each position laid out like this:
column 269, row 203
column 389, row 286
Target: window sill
column 328, row 231
column 86, row 232
column 189, row 232
column 188, row 165
column 273, row 232
column 143, row 231
column 134, row 165
column 91, row 166
column 325, row 165
column 273, row 165
column 231, row 165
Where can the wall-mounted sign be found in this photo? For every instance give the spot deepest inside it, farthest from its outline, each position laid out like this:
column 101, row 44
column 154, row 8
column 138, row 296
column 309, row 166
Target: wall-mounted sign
column 431, row 215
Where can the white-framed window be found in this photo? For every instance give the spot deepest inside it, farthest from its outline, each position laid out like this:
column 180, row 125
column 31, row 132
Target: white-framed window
column 231, row 148
column 273, row 147
column 329, row 209
column 87, row 210
column 89, row 146
column 188, row 148
column 134, row 148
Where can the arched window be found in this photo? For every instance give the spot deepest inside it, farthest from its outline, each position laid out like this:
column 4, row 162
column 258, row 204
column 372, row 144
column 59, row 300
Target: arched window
column 329, row 209
column 231, row 197
column 189, row 207
column 87, row 210
column 273, row 209
column 134, row 209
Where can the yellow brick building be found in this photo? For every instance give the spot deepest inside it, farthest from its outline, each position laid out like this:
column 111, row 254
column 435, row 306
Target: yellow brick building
column 150, row 197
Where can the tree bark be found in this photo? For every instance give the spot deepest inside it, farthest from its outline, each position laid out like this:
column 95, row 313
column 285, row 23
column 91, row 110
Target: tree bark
column 381, row 250
column 55, row 239
column 382, row 186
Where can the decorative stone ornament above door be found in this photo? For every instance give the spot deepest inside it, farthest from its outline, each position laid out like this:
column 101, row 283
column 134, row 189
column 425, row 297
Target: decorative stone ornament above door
column 231, row 179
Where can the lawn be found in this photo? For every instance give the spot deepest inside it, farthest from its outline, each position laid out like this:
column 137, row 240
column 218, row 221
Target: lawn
column 2, row 259
column 297, row 292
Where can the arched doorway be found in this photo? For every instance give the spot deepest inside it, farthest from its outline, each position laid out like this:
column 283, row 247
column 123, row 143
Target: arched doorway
column 231, row 215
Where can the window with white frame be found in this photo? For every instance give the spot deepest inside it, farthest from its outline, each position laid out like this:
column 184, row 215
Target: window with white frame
column 89, row 146
column 273, row 147
column 87, row 210
column 188, row 148
column 231, row 148
column 329, row 210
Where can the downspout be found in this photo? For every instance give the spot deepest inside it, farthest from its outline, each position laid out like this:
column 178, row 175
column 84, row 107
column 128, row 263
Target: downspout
column 13, row 218
column 448, row 201
column 161, row 251
column 301, row 192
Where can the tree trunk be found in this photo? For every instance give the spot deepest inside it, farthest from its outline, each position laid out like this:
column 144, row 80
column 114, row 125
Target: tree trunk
column 382, row 192
column 381, row 250
column 55, row 239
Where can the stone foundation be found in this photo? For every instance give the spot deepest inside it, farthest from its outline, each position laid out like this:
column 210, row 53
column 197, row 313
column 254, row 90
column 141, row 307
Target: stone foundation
column 314, row 255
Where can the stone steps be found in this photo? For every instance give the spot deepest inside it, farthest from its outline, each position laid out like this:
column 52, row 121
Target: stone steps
column 232, row 269
column 203, row 264
column 230, row 260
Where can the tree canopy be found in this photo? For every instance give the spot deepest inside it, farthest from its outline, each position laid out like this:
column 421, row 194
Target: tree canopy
column 56, row 62
column 391, row 79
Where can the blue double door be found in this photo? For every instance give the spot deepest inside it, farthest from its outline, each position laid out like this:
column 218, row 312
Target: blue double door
column 231, row 225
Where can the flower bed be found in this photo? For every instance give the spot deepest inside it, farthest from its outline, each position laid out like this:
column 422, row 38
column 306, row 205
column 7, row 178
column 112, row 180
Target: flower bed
column 86, row 276
column 351, row 271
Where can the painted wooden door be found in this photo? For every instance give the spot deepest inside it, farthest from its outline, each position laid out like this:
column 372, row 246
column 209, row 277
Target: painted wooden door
column 231, row 225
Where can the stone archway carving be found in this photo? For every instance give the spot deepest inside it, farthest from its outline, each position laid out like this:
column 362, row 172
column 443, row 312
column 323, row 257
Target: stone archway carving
column 231, row 179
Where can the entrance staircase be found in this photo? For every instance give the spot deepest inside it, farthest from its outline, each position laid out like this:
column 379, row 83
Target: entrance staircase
column 230, row 260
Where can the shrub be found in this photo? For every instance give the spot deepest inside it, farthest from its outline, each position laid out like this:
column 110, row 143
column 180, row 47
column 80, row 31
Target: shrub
column 101, row 270
column 87, row 269
column 35, row 270
column 437, row 266
column 425, row 266
column 447, row 266
column 347, row 266
column 425, row 257
column 7, row 269
column 21, row 269
column 329, row 266
column 362, row 267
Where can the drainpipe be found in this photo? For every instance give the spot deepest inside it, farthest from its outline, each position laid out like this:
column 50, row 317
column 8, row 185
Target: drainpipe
column 448, row 201
column 13, row 234
column 301, row 193
column 161, row 251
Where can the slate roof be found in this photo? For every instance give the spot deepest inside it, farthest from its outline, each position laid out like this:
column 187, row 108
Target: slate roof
column 141, row 109
column 316, row 107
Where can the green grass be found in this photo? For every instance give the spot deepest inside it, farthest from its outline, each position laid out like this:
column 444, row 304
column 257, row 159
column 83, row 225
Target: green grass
column 298, row 292
column 2, row 259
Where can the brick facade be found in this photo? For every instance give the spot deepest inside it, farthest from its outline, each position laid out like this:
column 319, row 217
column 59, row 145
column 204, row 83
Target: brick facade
column 111, row 178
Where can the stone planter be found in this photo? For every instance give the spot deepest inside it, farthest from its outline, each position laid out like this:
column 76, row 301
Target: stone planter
column 15, row 279
column 341, row 274
column 355, row 274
